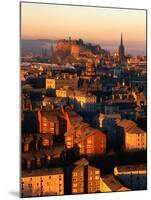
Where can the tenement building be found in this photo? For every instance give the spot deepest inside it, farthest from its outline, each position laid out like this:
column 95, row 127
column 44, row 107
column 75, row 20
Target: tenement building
column 89, row 140
column 48, row 122
column 42, row 183
column 85, row 101
column 83, row 177
column 134, row 137
column 62, row 80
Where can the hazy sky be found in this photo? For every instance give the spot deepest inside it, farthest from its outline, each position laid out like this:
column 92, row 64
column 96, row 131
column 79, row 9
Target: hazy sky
column 46, row 21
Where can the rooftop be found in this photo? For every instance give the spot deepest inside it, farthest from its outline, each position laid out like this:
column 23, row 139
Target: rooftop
column 80, row 163
column 110, row 116
column 113, row 183
column 129, row 168
column 119, row 101
column 76, row 127
column 46, row 136
column 87, row 131
column 55, row 150
column 42, row 172
column 137, row 130
column 50, row 115
column 126, row 124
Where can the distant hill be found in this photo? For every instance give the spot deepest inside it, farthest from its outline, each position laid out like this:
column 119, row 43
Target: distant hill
column 35, row 47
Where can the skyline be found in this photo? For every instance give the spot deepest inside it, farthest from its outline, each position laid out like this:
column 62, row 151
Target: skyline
column 137, row 50
column 88, row 25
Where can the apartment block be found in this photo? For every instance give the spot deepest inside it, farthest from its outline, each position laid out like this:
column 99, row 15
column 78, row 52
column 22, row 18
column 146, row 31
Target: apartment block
column 42, row 183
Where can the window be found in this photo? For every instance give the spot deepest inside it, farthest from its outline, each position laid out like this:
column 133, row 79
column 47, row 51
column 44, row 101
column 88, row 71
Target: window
column 74, row 184
column 29, row 185
column 89, row 141
column 74, row 173
column 74, row 190
column 69, row 139
column 97, row 172
column 98, row 189
column 45, row 124
column 89, row 150
column 81, row 190
column 97, row 177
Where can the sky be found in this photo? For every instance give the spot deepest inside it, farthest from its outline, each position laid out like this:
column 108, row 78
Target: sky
column 97, row 25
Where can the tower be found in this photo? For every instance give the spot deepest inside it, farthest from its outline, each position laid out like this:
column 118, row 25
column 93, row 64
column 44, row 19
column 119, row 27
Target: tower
column 90, row 68
column 121, row 51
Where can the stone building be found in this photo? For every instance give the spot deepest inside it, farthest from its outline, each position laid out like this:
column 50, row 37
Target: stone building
column 48, row 122
column 83, row 178
column 59, row 82
column 134, row 137
column 42, row 183
column 88, row 139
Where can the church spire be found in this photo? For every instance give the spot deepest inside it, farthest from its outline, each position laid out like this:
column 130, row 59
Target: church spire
column 121, row 51
column 121, row 38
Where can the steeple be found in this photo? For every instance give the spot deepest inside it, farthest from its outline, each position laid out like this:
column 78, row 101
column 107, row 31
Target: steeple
column 121, row 39
column 121, row 51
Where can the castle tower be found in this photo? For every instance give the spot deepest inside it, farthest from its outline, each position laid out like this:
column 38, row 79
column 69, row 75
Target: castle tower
column 121, row 51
